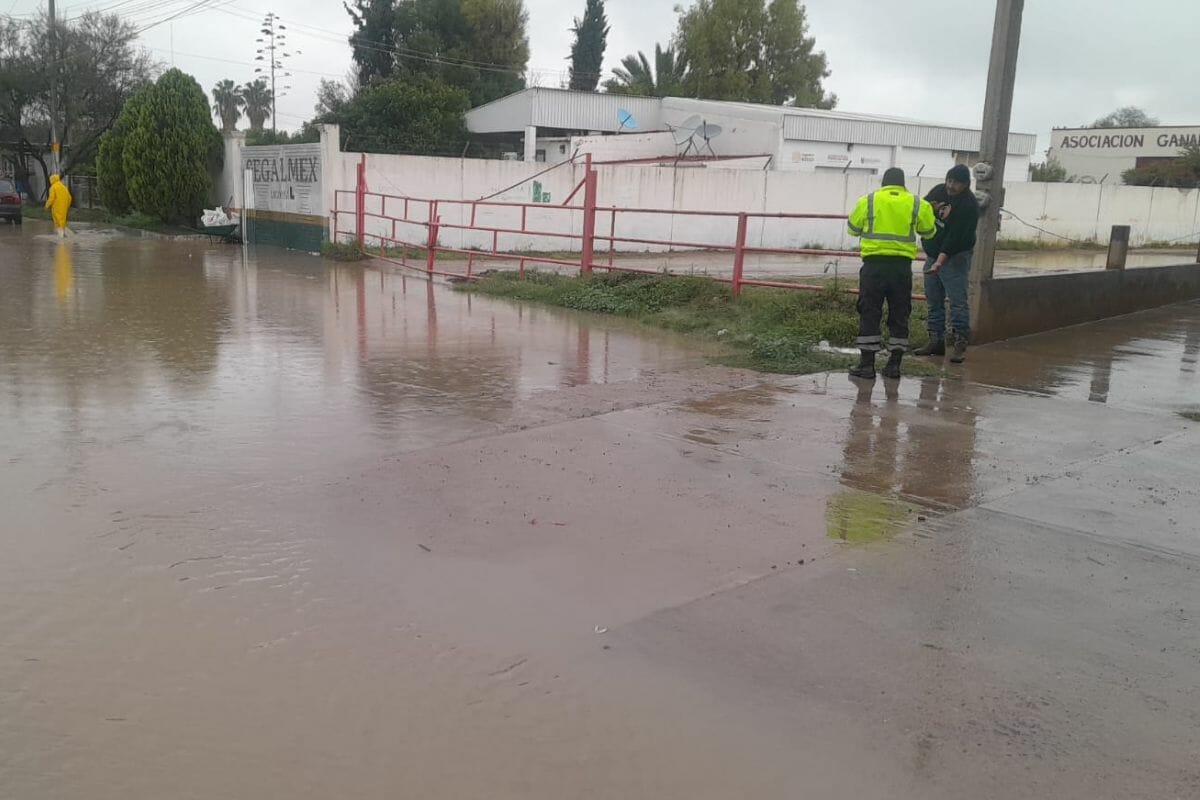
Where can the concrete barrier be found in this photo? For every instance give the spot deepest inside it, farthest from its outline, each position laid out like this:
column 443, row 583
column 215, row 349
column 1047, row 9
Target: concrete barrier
column 1028, row 304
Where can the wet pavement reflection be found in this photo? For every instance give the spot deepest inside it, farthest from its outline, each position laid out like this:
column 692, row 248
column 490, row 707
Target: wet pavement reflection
column 179, row 348
column 280, row 528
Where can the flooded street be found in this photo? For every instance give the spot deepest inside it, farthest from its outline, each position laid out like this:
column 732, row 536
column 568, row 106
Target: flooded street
column 280, row 528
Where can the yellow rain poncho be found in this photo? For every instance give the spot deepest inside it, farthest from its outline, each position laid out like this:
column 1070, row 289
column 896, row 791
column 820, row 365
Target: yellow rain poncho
column 59, row 202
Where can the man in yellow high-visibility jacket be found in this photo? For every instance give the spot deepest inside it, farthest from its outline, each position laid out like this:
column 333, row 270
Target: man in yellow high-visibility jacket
column 888, row 222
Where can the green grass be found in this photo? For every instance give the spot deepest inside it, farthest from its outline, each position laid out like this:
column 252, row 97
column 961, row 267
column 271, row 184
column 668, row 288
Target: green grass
column 99, row 216
column 342, row 251
column 770, row 330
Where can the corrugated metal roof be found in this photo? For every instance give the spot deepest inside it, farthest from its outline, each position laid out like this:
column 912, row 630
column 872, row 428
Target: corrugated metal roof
column 505, row 115
column 567, row 110
column 588, row 111
column 812, row 128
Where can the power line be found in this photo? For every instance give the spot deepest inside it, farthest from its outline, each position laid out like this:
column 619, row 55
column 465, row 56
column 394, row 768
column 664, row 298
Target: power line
column 242, row 63
column 324, row 34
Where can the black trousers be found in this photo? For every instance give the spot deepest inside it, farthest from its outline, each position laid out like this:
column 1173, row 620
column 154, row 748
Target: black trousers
column 884, row 278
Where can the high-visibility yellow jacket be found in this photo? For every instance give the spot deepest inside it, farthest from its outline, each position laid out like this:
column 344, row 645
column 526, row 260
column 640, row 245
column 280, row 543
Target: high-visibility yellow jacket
column 890, row 220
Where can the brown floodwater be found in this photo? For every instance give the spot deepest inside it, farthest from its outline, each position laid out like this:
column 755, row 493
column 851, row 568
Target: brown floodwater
column 274, row 527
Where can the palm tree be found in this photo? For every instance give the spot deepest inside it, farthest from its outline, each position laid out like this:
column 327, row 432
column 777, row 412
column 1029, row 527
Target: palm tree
column 258, row 103
column 228, row 103
column 635, row 76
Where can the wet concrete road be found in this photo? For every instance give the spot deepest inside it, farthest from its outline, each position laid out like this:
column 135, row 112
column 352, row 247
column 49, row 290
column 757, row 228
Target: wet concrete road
column 280, row 529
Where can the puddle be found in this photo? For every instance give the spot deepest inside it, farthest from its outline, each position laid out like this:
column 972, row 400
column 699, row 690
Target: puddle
column 733, row 405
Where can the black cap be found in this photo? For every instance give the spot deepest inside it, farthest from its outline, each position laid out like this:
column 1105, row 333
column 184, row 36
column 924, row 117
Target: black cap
column 960, row 173
column 893, row 177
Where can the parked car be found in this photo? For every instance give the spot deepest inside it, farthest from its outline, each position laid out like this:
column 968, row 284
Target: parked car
column 10, row 202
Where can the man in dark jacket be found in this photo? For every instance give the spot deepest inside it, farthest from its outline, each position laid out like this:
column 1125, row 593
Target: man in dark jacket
column 948, row 268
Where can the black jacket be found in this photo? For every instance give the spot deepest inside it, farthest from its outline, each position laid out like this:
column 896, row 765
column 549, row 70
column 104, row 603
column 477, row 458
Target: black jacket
column 957, row 233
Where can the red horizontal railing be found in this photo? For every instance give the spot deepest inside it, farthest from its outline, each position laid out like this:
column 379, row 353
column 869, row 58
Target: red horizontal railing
column 426, row 215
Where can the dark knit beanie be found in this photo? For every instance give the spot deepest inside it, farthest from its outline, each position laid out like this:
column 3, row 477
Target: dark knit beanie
column 960, row 173
column 893, row 177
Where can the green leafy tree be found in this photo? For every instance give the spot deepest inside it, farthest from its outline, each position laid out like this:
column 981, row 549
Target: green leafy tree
column 331, row 97
column 371, row 44
column 228, row 103
column 1180, row 173
column 171, row 150
column 258, row 99
column 587, row 51
column 99, row 67
column 1049, row 172
column 424, row 117
column 307, row 134
column 1126, row 117
column 479, row 46
column 635, row 75
column 745, row 50
column 110, row 159
column 792, row 67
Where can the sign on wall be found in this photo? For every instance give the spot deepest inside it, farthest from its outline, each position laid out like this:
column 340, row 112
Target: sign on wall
column 1137, row 142
column 286, row 178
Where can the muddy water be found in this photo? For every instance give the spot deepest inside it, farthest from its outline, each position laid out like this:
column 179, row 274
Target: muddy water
column 181, row 612
column 275, row 528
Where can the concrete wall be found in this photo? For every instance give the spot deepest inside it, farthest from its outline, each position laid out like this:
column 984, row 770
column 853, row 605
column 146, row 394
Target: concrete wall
column 292, row 212
column 1076, row 211
column 1019, row 306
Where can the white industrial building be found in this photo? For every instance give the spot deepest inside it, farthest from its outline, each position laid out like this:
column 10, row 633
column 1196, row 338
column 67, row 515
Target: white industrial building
column 553, row 124
column 1103, row 155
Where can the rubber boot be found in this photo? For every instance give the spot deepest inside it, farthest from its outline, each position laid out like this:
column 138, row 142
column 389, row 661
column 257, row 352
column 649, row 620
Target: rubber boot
column 960, row 349
column 936, row 347
column 866, row 366
column 892, row 370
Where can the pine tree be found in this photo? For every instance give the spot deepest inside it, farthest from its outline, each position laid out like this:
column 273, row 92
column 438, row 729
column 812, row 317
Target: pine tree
column 171, row 149
column 587, row 52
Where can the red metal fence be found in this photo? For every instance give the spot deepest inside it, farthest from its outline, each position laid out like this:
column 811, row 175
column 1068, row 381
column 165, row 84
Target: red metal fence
column 406, row 231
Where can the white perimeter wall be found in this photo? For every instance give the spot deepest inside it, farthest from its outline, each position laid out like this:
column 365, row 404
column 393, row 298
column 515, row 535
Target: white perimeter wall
column 1083, row 212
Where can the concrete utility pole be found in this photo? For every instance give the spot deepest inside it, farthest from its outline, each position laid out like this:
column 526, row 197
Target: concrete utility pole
column 993, row 150
column 54, row 145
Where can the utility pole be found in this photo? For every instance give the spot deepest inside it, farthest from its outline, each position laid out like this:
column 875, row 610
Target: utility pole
column 993, row 150
column 54, row 144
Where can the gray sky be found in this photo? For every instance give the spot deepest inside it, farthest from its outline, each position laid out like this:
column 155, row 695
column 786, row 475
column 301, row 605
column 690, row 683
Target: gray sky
column 920, row 58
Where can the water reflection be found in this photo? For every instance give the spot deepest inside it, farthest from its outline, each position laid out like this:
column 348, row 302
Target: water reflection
column 261, row 359
column 929, row 458
column 1143, row 360
column 64, row 272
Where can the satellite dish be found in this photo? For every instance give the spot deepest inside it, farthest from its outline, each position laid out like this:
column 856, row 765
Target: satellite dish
column 626, row 120
column 686, row 132
column 694, row 131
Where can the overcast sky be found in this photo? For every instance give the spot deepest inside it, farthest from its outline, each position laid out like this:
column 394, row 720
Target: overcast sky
column 921, row 58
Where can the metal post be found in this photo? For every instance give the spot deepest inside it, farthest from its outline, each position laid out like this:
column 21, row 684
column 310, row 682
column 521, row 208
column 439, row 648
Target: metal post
column 431, row 243
column 55, row 146
column 589, row 216
column 1118, row 247
column 739, row 254
column 993, row 147
column 360, row 196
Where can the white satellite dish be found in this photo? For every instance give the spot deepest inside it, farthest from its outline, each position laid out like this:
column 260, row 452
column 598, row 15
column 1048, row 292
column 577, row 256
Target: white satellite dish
column 696, row 135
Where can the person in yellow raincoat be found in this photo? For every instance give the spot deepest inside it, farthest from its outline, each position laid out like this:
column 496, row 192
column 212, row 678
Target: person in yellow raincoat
column 59, row 202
